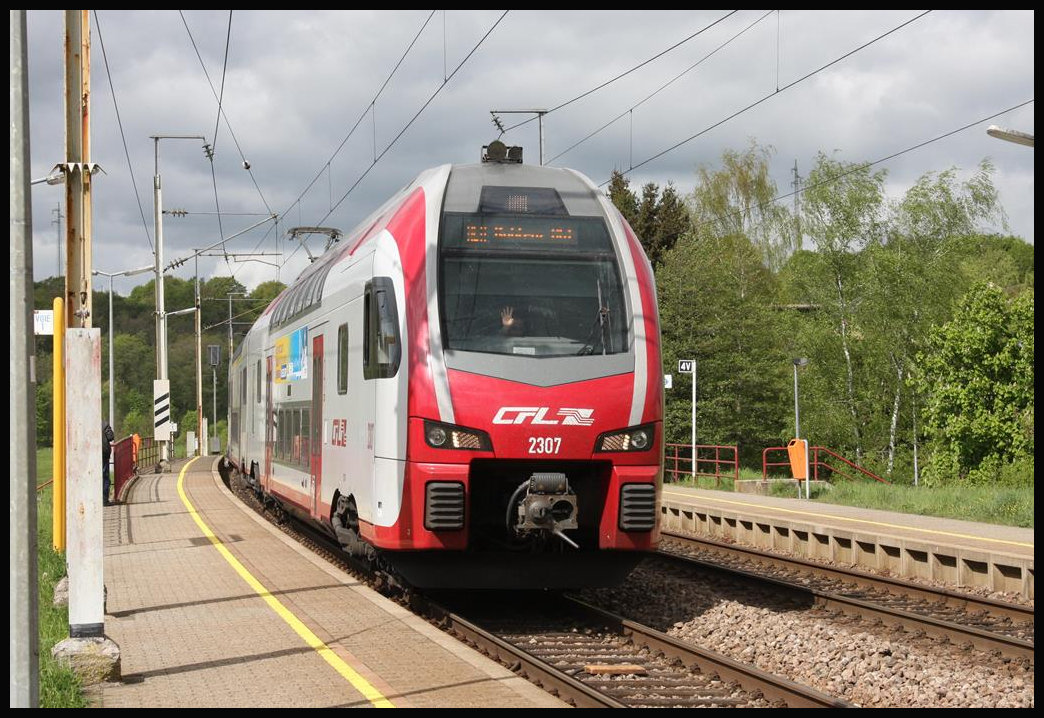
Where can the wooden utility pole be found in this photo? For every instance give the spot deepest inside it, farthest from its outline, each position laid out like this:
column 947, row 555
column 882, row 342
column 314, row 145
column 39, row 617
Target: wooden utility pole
column 78, row 168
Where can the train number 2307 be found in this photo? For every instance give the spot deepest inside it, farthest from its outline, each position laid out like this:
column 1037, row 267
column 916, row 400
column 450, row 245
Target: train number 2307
column 544, row 444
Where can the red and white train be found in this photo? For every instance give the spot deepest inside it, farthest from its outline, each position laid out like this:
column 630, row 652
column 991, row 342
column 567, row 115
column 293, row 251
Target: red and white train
column 468, row 387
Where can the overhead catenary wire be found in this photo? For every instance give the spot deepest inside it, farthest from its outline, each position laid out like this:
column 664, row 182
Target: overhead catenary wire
column 219, row 96
column 325, row 166
column 224, row 116
column 326, row 169
column 771, row 95
column 123, row 136
column 662, row 87
column 409, row 123
column 866, row 165
column 627, row 72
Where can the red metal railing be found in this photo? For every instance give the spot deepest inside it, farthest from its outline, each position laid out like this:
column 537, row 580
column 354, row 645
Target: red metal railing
column 765, row 463
column 676, row 465
column 815, row 462
column 124, row 463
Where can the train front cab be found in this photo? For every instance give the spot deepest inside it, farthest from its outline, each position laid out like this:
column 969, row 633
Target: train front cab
column 544, row 468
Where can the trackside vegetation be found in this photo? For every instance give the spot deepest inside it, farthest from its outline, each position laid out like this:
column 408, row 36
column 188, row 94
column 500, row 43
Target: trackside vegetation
column 916, row 321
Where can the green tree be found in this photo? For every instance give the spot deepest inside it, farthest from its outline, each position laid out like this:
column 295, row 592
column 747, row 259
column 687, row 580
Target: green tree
column 926, row 229
column 977, row 377
column 658, row 219
column 716, row 294
column 715, row 307
column 215, row 300
column 842, row 215
column 623, row 198
column 262, row 296
column 739, row 200
column 1005, row 261
column 134, row 366
column 44, row 413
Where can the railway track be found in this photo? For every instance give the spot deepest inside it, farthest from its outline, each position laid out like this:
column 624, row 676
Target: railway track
column 593, row 658
column 586, row 656
column 962, row 618
column 589, row 655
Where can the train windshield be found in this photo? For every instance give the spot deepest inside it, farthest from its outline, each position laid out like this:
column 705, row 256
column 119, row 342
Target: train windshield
column 531, row 286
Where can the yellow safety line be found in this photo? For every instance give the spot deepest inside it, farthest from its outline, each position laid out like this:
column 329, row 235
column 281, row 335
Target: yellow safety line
column 861, row 521
column 349, row 673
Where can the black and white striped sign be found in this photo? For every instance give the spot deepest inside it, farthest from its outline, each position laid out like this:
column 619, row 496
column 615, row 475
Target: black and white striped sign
column 161, row 409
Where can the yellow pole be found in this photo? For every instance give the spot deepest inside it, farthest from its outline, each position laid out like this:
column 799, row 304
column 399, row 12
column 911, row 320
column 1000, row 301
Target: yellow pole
column 58, row 413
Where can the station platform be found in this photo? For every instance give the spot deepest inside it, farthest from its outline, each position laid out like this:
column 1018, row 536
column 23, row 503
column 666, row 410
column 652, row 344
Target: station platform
column 212, row 606
column 961, row 553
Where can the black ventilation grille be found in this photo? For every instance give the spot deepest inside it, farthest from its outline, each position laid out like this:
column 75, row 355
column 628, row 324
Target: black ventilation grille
column 638, row 507
column 444, row 506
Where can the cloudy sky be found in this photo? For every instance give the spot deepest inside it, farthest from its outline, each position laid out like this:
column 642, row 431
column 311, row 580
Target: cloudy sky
column 334, row 111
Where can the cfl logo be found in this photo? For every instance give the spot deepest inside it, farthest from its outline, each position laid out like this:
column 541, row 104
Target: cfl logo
column 538, row 415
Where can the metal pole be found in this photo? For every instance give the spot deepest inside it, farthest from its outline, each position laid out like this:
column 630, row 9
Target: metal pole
column 23, row 590
column 797, row 417
column 58, row 421
column 213, row 373
column 915, row 469
column 228, row 417
column 58, row 223
column 199, row 373
column 112, row 414
column 797, row 427
column 797, row 433
column 228, row 409
column 540, row 123
column 112, row 372
column 161, row 316
column 112, row 390
column 694, row 420
column 230, row 326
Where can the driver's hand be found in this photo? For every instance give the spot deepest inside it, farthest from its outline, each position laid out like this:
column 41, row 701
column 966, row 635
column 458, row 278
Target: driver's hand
column 506, row 317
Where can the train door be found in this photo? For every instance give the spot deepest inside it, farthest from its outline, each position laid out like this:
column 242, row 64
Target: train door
column 315, row 432
column 242, row 433
column 351, row 414
column 269, row 423
column 382, row 356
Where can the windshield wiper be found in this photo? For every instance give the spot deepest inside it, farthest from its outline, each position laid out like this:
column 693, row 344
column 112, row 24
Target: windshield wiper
column 603, row 320
column 603, row 323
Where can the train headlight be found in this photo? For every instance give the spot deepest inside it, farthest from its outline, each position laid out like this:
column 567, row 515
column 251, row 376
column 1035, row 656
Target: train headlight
column 448, row 436
column 636, row 438
column 436, row 435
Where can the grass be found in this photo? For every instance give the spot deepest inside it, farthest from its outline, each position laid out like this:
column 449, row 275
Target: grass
column 1005, row 505
column 59, row 685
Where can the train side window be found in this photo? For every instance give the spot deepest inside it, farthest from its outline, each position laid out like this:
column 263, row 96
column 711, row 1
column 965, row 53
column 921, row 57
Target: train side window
column 281, row 434
column 295, row 433
column 342, row 359
column 306, row 437
column 243, row 386
column 284, row 430
column 258, row 381
column 382, row 345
